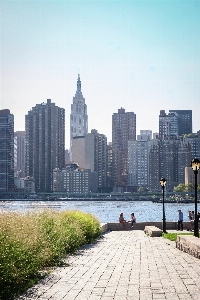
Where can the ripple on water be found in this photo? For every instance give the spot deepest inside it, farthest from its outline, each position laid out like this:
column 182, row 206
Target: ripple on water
column 106, row 211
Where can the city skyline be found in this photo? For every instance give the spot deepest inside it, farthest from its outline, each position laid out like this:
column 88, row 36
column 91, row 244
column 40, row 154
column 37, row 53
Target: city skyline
column 140, row 55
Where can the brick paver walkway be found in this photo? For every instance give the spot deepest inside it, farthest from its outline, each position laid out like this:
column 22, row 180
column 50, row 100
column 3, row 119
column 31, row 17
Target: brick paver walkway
column 123, row 265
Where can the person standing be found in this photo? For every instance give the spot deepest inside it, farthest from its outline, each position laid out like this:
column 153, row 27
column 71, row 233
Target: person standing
column 190, row 220
column 180, row 220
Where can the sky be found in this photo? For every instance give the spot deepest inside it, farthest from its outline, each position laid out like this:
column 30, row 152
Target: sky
column 142, row 55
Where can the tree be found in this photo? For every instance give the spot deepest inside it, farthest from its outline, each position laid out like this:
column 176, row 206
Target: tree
column 180, row 188
column 141, row 189
column 188, row 187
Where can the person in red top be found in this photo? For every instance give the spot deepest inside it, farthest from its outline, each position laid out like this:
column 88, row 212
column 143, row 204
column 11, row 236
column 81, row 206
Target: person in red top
column 121, row 218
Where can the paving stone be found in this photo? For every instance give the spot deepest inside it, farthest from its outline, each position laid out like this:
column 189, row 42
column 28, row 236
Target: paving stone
column 171, row 296
column 138, row 267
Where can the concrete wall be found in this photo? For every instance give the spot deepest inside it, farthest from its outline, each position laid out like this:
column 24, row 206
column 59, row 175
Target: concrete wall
column 140, row 226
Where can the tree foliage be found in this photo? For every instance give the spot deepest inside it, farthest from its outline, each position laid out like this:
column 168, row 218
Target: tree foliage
column 187, row 188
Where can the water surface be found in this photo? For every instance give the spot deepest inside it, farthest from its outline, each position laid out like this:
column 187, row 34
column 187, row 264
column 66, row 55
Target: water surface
column 106, row 211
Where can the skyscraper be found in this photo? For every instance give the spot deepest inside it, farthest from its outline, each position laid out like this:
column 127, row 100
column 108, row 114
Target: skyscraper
column 174, row 156
column 138, row 156
column 174, row 124
column 19, row 152
column 110, row 165
column 78, row 116
column 90, row 152
column 6, row 150
column 44, row 144
column 168, row 125
column 123, row 130
column 194, row 141
column 184, row 121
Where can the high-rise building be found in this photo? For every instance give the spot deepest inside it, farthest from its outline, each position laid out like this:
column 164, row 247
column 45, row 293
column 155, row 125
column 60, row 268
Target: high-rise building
column 168, row 125
column 174, row 156
column 174, row 124
column 189, row 177
column 138, row 158
column 194, row 141
column 123, row 130
column 6, row 151
column 19, row 153
column 67, row 157
column 154, row 166
column 110, row 164
column 184, row 160
column 184, row 121
column 44, row 144
column 78, row 116
column 152, row 159
column 90, row 152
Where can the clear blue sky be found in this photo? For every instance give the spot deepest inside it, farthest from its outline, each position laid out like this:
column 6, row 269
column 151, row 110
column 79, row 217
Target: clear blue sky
column 142, row 55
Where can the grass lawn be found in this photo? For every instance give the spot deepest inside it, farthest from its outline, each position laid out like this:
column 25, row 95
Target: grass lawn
column 173, row 236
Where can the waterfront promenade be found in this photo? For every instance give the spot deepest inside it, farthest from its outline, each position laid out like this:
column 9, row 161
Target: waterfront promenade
column 123, row 265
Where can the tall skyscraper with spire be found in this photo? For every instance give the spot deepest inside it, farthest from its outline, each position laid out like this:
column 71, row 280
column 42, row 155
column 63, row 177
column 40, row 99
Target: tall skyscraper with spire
column 78, row 116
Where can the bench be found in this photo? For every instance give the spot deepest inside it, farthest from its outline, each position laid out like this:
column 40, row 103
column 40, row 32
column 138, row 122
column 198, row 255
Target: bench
column 189, row 244
column 153, row 231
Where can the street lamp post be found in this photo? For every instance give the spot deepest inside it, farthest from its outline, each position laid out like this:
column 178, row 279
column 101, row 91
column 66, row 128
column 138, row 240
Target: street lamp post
column 163, row 183
column 195, row 163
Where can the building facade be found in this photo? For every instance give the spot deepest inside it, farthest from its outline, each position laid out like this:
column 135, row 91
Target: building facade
column 154, row 166
column 74, row 180
column 78, row 116
column 6, row 151
column 139, row 159
column 184, row 160
column 184, row 121
column 174, row 156
column 90, row 152
column 168, row 125
column 194, row 141
column 19, row 153
column 123, row 130
column 151, row 160
column 189, row 177
column 44, row 144
column 29, row 185
column 109, row 166
column 174, row 124
column 19, row 184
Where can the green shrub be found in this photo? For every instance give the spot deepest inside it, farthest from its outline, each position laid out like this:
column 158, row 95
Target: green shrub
column 33, row 241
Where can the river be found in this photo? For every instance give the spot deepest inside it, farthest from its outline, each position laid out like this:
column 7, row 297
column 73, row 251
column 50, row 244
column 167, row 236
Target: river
column 105, row 211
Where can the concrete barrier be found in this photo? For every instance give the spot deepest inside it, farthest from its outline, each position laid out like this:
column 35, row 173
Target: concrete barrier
column 140, row 226
column 104, row 227
column 153, row 231
column 189, row 244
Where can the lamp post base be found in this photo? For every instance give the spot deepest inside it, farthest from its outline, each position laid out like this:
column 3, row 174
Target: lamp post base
column 164, row 225
column 196, row 229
